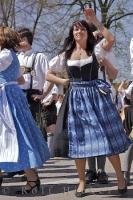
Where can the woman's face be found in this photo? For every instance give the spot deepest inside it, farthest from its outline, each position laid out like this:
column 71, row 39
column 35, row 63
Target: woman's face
column 80, row 33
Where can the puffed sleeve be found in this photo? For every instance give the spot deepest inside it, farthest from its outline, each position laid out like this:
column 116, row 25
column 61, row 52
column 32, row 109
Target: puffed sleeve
column 128, row 91
column 131, row 55
column 5, row 59
column 57, row 64
column 42, row 63
column 101, row 53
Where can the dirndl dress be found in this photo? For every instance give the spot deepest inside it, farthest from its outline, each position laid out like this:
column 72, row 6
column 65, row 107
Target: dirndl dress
column 94, row 126
column 22, row 145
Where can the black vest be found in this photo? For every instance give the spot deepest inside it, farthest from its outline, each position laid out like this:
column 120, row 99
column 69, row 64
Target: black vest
column 86, row 72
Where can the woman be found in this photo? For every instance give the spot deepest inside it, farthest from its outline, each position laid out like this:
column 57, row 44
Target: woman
column 92, row 117
column 22, row 146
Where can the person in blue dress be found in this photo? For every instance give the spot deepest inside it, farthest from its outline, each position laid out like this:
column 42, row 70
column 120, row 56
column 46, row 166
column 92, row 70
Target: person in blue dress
column 93, row 124
column 22, row 146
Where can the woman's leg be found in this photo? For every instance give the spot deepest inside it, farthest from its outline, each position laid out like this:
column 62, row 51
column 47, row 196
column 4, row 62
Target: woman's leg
column 32, row 178
column 33, row 182
column 115, row 161
column 80, row 165
column 31, row 174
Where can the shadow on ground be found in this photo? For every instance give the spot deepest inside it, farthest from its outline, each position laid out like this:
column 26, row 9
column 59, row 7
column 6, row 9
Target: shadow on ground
column 66, row 189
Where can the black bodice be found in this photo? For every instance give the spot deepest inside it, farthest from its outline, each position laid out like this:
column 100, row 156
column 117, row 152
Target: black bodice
column 86, row 72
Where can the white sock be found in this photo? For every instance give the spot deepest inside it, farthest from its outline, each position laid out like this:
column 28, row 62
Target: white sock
column 50, row 143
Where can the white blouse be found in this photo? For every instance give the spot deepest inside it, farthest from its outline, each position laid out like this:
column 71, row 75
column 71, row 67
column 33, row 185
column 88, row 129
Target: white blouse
column 101, row 53
column 81, row 62
column 57, row 64
column 5, row 59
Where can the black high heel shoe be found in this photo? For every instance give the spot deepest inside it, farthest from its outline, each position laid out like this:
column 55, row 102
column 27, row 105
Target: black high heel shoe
column 1, row 180
column 33, row 188
column 80, row 194
column 123, row 190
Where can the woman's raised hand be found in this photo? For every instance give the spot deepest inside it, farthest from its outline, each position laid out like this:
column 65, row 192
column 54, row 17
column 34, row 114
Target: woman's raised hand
column 90, row 14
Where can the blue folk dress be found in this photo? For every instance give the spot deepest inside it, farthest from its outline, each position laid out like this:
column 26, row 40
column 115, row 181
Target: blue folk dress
column 94, row 126
column 22, row 145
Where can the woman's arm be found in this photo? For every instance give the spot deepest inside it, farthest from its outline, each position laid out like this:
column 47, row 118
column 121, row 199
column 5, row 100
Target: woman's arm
column 51, row 77
column 109, row 68
column 21, row 80
column 46, row 91
column 91, row 18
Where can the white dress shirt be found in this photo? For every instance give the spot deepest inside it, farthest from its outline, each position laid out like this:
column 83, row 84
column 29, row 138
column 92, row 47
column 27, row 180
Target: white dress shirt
column 40, row 69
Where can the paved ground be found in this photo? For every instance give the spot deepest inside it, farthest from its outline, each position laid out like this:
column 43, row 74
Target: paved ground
column 59, row 179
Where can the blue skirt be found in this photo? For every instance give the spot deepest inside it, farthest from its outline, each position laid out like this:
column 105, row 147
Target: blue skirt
column 94, row 125
column 33, row 149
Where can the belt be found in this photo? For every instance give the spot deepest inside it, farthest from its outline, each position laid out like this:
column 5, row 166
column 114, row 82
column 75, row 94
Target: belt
column 35, row 91
column 26, row 70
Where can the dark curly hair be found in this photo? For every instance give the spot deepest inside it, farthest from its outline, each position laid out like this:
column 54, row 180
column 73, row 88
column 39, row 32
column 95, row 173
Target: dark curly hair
column 70, row 44
column 25, row 32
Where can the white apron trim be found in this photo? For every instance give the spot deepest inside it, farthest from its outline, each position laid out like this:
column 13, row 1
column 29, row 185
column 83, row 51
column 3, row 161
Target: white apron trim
column 9, row 149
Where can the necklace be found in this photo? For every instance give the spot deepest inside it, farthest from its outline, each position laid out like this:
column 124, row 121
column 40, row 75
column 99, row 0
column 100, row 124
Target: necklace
column 80, row 53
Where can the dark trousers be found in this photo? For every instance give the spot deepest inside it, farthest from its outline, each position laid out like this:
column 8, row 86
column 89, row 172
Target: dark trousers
column 128, row 155
column 128, row 124
column 36, row 110
column 100, row 163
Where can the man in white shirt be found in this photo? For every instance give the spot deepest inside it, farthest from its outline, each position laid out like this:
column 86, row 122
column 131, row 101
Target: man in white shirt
column 34, row 67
